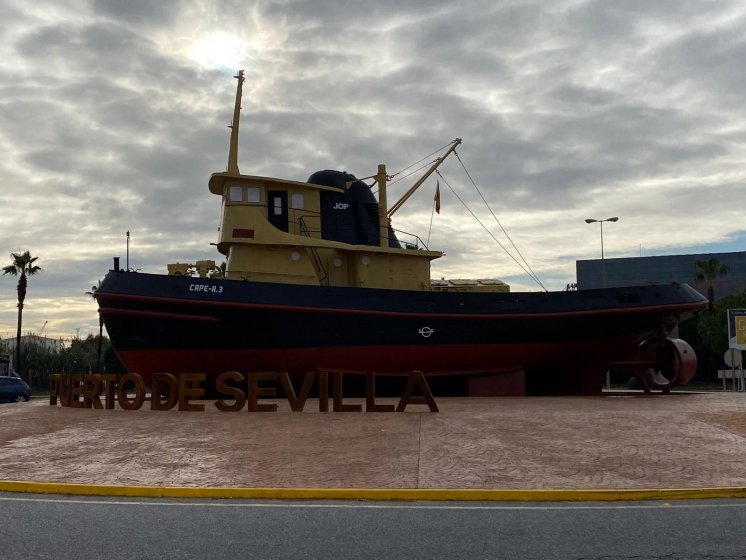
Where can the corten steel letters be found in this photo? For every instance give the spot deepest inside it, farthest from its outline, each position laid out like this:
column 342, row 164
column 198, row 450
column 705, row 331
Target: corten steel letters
column 245, row 390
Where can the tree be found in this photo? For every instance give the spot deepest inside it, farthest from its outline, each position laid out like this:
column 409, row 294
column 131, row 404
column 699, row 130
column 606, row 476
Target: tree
column 92, row 293
column 23, row 266
column 713, row 327
column 709, row 271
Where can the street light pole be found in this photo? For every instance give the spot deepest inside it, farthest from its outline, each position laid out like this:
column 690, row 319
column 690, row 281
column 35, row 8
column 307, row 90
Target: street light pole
column 603, row 267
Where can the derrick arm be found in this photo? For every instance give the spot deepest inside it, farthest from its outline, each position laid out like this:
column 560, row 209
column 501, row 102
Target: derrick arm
column 399, row 203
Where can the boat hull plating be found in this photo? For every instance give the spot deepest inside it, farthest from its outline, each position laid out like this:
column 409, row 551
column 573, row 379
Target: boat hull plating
column 564, row 340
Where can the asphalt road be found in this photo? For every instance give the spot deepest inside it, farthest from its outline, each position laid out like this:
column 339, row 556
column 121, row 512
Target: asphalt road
column 59, row 527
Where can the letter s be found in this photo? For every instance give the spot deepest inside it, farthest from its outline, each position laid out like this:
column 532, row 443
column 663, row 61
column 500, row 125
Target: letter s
column 234, row 392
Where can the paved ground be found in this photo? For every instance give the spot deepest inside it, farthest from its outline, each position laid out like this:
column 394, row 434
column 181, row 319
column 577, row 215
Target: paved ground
column 612, row 442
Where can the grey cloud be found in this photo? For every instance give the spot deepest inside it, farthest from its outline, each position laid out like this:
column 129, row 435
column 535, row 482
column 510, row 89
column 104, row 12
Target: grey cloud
column 139, row 12
column 614, row 21
column 104, row 50
column 352, row 13
column 90, row 45
column 715, row 61
column 574, row 97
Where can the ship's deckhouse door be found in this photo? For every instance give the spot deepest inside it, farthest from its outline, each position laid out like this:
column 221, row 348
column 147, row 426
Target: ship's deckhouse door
column 277, row 208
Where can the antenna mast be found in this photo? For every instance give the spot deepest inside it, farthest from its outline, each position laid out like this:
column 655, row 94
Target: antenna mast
column 233, row 150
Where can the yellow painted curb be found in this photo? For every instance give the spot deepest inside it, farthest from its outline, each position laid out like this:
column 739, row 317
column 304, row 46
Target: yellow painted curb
column 382, row 494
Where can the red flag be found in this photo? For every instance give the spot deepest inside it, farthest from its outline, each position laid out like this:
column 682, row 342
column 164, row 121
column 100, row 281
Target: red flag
column 437, row 197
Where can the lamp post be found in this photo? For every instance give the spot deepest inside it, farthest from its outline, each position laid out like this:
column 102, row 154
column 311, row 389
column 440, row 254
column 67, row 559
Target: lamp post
column 603, row 269
column 592, row 221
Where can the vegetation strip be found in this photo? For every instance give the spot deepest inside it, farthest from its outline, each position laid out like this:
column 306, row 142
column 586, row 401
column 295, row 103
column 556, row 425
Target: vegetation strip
column 380, row 494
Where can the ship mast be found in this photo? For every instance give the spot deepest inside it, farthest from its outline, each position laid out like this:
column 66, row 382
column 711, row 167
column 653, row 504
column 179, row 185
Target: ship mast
column 233, row 150
column 422, row 179
column 383, row 222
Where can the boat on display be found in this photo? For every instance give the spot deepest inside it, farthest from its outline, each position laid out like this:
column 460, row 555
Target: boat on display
column 316, row 279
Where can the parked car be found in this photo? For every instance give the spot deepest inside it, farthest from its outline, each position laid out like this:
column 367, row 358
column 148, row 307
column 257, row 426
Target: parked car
column 13, row 389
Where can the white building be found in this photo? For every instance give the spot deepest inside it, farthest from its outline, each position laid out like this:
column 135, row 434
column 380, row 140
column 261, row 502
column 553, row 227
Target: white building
column 8, row 345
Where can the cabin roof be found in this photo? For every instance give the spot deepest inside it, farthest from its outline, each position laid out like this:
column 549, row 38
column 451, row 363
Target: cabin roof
column 218, row 180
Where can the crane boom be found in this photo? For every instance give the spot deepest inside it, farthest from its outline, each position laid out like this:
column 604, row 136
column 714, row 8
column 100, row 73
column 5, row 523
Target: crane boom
column 422, row 179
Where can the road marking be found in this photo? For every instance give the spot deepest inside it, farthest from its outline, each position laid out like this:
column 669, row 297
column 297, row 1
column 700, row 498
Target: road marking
column 453, row 495
column 267, row 505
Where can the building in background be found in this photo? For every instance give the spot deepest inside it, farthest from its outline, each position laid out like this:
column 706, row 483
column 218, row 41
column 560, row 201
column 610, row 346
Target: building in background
column 8, row 345
column 634, row 271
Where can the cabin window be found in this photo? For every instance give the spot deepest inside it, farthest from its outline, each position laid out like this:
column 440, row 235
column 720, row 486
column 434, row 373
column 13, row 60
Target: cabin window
column 296, row 201
column 277, row 203
column 255, row 194
column 235, row 194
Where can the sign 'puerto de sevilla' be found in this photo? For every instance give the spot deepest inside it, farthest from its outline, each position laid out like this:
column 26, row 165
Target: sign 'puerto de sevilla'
column 240, row 391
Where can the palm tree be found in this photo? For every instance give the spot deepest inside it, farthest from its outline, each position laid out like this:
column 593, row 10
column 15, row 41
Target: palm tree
column 92, row 293
column 23, row 266
column 709, row 271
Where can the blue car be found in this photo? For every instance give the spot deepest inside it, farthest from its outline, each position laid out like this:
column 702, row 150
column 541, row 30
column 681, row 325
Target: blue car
column 13, row 389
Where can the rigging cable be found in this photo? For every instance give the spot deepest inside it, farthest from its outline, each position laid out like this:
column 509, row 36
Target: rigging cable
column 430, row 229
column 532, row 274
column 418, row 161
column 527, row 268
column 403, row 176
column 410, row 166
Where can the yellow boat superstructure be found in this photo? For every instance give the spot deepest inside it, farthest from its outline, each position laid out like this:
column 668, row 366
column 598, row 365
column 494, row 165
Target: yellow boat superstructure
column 271, row 231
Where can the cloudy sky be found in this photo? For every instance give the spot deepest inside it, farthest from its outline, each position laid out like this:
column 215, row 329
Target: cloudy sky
column 113, row 114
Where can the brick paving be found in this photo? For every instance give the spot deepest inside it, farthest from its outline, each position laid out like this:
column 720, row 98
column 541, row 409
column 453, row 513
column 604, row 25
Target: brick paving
column 610, row 442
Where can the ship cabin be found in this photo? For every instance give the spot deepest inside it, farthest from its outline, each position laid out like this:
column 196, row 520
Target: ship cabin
column 326, row 231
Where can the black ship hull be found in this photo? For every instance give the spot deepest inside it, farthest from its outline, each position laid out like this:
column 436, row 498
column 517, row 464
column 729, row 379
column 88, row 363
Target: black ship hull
column 563, row 342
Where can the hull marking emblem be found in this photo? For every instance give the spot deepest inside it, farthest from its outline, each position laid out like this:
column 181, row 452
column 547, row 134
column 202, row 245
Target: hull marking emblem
column 426, row 331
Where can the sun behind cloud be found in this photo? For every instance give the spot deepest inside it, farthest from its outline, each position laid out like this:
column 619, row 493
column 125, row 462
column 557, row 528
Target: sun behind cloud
column 219, row 50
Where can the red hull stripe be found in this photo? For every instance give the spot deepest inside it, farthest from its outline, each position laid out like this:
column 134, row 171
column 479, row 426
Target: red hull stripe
column 432, row 360
column 674, row 307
